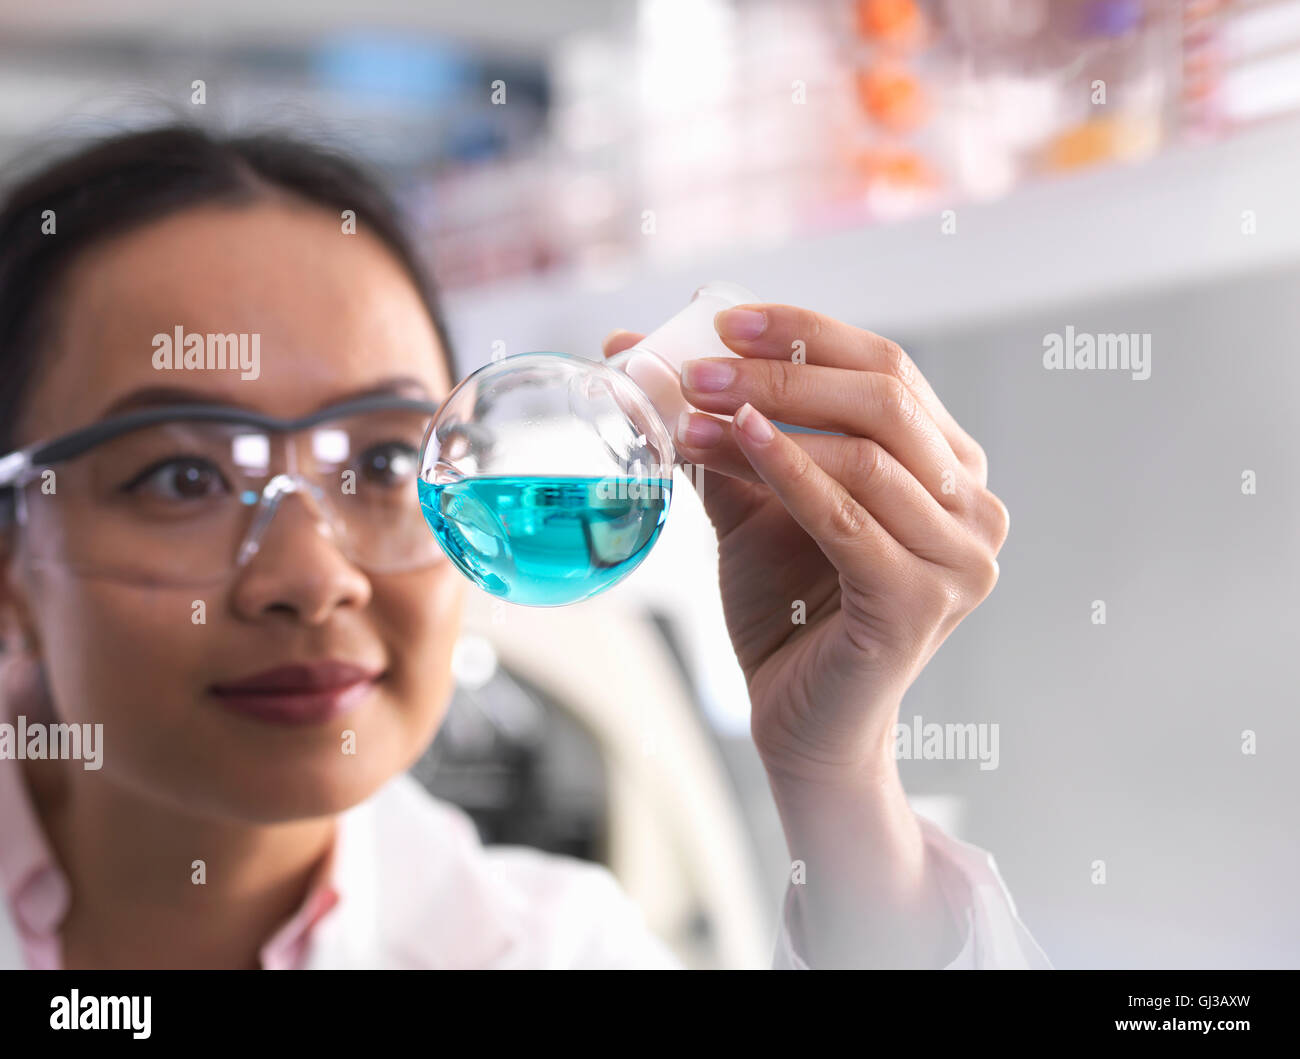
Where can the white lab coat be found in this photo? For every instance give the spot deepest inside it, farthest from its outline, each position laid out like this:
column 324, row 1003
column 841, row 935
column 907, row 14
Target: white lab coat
column 418, row 890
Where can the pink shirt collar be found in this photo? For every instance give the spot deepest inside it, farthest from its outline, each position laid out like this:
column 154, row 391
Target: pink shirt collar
column 34, row 886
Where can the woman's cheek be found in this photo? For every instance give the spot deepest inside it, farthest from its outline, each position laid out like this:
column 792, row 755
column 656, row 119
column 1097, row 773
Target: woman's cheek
column 129, row 659
column 106, row 646
column 420, row 618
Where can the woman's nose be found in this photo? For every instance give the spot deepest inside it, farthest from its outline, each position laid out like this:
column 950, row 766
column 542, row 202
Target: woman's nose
column 296, row 566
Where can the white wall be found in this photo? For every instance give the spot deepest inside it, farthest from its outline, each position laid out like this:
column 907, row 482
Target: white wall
column 1123, row 742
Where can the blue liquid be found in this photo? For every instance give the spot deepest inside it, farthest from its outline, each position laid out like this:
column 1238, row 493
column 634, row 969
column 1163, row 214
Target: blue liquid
column 543, row 541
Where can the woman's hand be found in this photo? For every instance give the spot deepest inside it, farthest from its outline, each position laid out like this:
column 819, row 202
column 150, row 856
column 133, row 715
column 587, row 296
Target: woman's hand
column 845, row 560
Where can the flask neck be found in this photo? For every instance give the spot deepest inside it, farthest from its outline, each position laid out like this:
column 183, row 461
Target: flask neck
column 658, row 379
column 655, row 362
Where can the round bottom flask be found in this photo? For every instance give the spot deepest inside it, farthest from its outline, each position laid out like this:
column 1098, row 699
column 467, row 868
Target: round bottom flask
column 547, row 477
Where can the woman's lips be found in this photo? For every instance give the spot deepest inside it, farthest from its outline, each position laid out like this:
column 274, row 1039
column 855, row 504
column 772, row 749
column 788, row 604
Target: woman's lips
column 305, row 693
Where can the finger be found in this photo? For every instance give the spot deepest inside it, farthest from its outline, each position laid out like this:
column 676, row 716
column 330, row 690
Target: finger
column 858, row 403
column 787, row 331
column 848, row 535
column 987, row 516
column 871, row 476
column 706, row 443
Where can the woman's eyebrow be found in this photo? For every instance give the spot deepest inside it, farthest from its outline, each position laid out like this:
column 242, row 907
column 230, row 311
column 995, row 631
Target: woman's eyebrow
column 152, row 396
column 397, row 386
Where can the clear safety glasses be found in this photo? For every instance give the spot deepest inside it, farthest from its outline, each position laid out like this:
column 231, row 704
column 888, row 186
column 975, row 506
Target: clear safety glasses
column 186, row 494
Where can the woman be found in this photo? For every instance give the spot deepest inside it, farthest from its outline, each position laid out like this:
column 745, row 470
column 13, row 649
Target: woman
column 265, row 651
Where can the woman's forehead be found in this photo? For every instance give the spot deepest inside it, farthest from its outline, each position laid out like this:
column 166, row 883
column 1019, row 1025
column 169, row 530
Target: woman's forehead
column 267, row 306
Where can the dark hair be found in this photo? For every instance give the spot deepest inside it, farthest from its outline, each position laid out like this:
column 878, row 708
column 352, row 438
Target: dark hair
column 130, row 179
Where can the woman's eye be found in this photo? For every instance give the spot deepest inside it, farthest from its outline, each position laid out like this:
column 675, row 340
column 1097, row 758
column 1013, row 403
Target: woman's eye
column 389, row 464
column 180, row 479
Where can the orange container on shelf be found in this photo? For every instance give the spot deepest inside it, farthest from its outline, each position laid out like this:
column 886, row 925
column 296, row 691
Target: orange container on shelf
column 892, row 96
column 898, row 23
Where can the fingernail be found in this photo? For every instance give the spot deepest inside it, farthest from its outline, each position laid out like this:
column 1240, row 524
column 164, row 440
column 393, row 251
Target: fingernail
column 740, row 323
column 699, row 432
column 754, row 425
column 708, row 376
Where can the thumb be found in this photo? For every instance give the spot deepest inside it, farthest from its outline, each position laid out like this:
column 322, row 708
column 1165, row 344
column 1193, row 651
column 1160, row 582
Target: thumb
column 618, row 340
column 725, row 499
